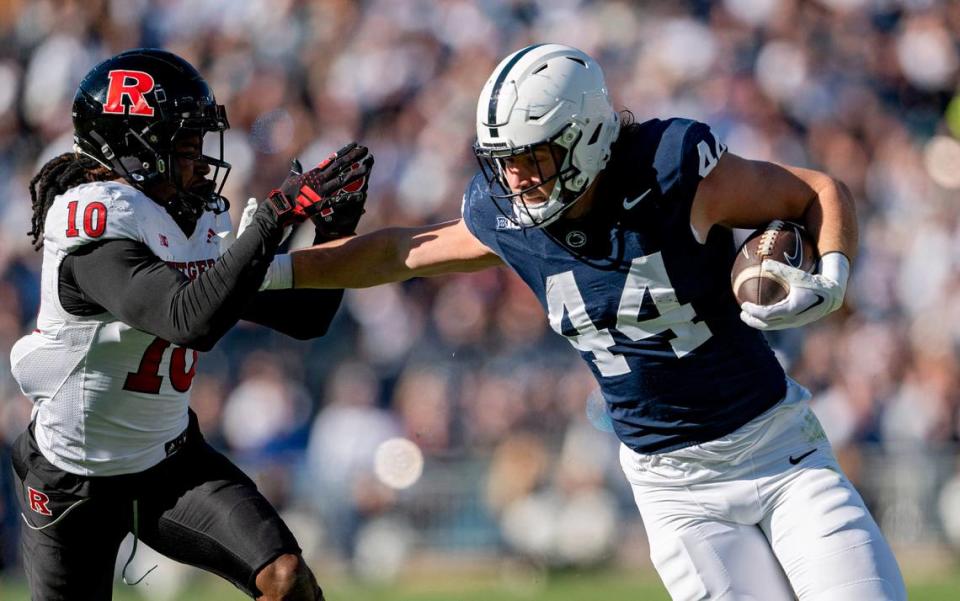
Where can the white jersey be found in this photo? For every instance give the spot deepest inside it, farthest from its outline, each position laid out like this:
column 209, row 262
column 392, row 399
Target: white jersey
column 108, row 398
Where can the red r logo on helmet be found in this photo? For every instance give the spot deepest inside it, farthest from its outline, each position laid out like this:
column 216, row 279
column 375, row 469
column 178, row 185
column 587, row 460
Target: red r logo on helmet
column 133, row 85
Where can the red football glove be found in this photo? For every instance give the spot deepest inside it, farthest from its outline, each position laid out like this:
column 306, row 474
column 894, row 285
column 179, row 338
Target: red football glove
column 332, row 194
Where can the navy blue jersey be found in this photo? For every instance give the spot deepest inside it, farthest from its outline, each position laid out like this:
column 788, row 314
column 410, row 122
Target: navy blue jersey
column 648, row 306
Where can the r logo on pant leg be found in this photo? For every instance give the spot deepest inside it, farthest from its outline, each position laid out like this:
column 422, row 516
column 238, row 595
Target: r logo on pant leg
column 38, row 501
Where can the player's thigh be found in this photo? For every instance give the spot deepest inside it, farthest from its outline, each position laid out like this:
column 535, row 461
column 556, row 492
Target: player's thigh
column 69, row 540
column 78, row 554
column 212, row 516
column 700, row 560
column 827, row 541
column 701, row 555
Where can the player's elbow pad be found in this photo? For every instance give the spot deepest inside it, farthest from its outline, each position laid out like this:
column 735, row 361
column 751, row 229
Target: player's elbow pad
column 201, row 337
column 201, row 343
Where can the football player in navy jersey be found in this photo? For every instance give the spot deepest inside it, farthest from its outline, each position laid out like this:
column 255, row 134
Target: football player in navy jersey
column 623, row 231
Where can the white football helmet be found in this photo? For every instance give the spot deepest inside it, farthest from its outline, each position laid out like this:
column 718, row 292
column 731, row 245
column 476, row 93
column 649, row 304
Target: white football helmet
column 553, row 95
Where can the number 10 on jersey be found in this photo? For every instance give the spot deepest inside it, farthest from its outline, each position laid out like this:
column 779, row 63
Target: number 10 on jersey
column 647, row 274
column 147, row 378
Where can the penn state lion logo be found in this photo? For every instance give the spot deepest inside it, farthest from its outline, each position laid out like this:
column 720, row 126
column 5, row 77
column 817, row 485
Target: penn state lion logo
column 576, row 239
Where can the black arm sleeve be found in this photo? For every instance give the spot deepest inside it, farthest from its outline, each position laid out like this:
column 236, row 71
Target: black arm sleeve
column 301, row 314
column 125, row 278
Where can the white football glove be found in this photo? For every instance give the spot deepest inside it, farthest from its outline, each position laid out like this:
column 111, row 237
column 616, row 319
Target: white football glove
column 247, row 215
column 811, row 296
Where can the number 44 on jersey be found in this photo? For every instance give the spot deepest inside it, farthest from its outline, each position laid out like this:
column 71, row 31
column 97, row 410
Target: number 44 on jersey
column 647, row 274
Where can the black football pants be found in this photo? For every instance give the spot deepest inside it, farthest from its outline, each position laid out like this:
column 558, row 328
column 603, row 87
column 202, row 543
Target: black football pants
column 195, row 507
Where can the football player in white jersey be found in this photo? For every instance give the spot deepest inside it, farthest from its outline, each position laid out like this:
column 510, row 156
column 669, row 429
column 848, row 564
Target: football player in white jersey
column 134, row 287
column 623, row 232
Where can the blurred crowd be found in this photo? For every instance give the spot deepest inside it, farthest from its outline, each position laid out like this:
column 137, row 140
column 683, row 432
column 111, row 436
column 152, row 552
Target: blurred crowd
column 516, row 445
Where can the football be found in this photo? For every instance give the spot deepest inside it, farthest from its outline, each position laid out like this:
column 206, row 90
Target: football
column 781, row 241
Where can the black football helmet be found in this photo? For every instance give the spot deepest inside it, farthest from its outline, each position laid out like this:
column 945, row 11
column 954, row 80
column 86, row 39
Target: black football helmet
column 129, row 109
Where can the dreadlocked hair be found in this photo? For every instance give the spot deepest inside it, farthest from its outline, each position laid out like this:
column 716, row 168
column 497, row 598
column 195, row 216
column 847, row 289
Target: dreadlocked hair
column 56, row 177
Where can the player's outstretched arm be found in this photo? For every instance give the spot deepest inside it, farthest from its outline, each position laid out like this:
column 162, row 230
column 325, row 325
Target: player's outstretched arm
column 391, row 255
column 743, row 193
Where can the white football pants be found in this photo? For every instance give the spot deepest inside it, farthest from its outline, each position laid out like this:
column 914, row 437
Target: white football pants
column 755, row 516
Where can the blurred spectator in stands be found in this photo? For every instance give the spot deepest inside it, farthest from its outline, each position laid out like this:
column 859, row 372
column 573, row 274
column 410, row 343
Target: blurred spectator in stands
column 343, row 440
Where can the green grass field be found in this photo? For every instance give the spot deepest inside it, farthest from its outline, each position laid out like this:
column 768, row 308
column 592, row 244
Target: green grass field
column 605, row 586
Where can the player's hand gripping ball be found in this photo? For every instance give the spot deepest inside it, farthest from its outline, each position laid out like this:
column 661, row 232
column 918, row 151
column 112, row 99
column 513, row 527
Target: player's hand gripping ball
column 774, row 278
column 754, row 276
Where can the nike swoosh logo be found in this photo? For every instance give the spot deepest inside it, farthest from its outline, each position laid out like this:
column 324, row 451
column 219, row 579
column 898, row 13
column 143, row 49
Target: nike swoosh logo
column 793, row 260
column 795, row 460
column 820, row 301
column 629, row 204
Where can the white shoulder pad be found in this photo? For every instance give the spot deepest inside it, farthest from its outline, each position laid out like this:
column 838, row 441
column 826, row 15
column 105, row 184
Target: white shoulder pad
column 97, row 211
